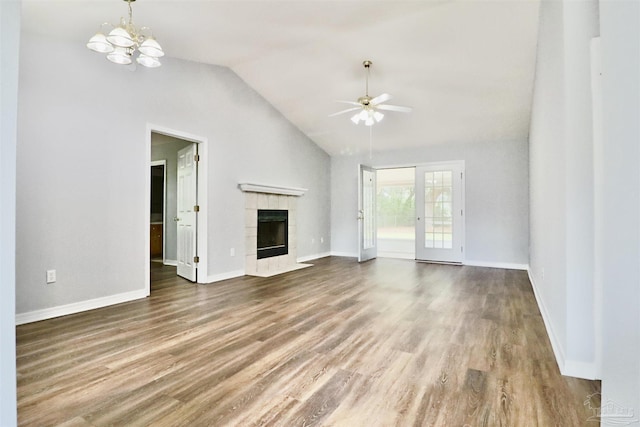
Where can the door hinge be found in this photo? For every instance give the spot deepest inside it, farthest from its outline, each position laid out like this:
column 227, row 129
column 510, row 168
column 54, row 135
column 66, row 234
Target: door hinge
column 461, row 248
column 461, row 212
column 196, row 259
column 196, row 158
column 196, row 208
column 460, row 175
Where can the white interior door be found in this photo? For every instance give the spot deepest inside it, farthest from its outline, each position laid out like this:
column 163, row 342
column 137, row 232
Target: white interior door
column 439, row 212
column 367, row 248
column 186, row 219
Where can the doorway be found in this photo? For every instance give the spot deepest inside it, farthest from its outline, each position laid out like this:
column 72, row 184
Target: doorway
column 396, row 212
column 419, row 212
column 157, row 213
column 163, row 145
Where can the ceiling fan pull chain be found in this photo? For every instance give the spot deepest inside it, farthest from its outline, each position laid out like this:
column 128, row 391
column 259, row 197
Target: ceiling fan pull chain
column 370, row 142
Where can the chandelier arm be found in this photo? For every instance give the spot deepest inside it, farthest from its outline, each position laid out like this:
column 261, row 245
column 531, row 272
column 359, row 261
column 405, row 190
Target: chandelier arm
column 143, row 29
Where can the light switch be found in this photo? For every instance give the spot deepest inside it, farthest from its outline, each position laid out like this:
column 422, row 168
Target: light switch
column 51, row 276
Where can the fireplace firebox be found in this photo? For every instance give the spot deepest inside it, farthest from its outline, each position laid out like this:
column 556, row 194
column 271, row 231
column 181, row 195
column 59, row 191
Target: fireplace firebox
column 273, row 233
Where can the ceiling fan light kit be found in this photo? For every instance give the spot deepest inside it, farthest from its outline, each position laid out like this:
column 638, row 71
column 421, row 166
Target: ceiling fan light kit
column 368, row 106
column 124, row 39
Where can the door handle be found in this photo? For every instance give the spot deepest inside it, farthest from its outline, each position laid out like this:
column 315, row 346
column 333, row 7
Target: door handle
column 418, row 218
column 176, row 219
column 361, row 214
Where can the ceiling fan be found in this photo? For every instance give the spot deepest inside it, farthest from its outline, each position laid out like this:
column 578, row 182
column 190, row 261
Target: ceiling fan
column 368, row 107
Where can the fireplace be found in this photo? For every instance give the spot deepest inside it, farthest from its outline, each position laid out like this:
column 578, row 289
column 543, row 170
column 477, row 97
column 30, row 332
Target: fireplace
column 276, row 205
column 273, row 233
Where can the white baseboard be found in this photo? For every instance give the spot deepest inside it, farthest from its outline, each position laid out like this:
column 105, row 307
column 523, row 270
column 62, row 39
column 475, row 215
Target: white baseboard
column 344, row 254
column 567, row 367
column 505, row 265
column 225, row 276
column 77, row 307
column 584, row 370
column 555, row 344
column 171, row 262
column 312, row 257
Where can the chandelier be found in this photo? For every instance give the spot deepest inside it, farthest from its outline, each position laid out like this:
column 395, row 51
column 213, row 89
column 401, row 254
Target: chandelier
column 124, row 39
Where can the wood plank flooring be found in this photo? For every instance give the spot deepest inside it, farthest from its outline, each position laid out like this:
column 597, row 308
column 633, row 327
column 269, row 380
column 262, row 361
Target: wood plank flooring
column 384, row 343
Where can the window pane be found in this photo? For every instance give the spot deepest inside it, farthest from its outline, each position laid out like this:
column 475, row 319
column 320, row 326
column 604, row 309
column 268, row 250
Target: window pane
column 367, row 207
column 428, row 240
column 446, row 178
column 437, row 179
column 448, row 241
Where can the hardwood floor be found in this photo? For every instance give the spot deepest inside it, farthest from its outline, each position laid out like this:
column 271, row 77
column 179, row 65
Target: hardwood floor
column 385, row 343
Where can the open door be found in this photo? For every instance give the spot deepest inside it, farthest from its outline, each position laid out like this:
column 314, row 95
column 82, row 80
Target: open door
column 439, row 212
column 367, row 247
column 187, row 221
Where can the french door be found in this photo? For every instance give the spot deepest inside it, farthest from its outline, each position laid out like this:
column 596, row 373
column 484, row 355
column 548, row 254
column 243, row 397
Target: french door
column 439, row 212
column 367, row 239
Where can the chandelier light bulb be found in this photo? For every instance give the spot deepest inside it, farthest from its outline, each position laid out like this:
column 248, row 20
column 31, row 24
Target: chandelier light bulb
column 151, row 47
column 120, row 56
column 120, row 37
column 148, row 61
column 99, row 43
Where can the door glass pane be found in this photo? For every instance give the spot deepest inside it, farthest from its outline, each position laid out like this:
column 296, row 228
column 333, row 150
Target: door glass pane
column 368, row 211
column 438, row 209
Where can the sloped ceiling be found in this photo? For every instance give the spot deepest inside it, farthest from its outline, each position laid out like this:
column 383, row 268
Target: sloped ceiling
column 466, row 67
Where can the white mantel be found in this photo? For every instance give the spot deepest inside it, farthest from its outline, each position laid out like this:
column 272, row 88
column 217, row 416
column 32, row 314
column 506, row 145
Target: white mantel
column 272, row 189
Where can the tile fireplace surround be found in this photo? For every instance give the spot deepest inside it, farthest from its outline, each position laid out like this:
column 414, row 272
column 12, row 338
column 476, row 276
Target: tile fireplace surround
column 270, row 197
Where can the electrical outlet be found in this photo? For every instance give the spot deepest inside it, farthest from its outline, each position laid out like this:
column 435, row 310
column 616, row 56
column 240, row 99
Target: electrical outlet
column 232, row 252
column 51, row 276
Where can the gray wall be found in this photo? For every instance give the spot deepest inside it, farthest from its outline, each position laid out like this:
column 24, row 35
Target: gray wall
column 165, row 147
column 496, row 192
column 9, row 42
column 620, row 32
column 562, row 182
column 82, row 166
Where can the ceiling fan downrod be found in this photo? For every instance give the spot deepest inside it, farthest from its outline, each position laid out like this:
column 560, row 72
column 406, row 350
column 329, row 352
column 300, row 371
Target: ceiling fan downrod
column 364, row 100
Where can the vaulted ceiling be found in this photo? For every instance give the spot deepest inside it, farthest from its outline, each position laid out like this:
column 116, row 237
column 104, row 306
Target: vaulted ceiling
column 465, row 67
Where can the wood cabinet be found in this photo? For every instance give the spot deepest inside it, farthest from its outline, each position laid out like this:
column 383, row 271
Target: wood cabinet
column 156, row 240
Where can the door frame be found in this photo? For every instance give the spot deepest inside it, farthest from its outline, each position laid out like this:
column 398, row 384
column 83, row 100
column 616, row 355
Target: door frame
column 203, row 174
column 164, row 205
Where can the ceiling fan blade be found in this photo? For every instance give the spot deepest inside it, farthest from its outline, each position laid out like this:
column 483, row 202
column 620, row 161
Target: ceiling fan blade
column 344, row 111
column 394, row 108
column 380, row 99
column 350, row 103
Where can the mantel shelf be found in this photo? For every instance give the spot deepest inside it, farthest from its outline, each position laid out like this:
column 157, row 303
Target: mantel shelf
column 272, row 189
